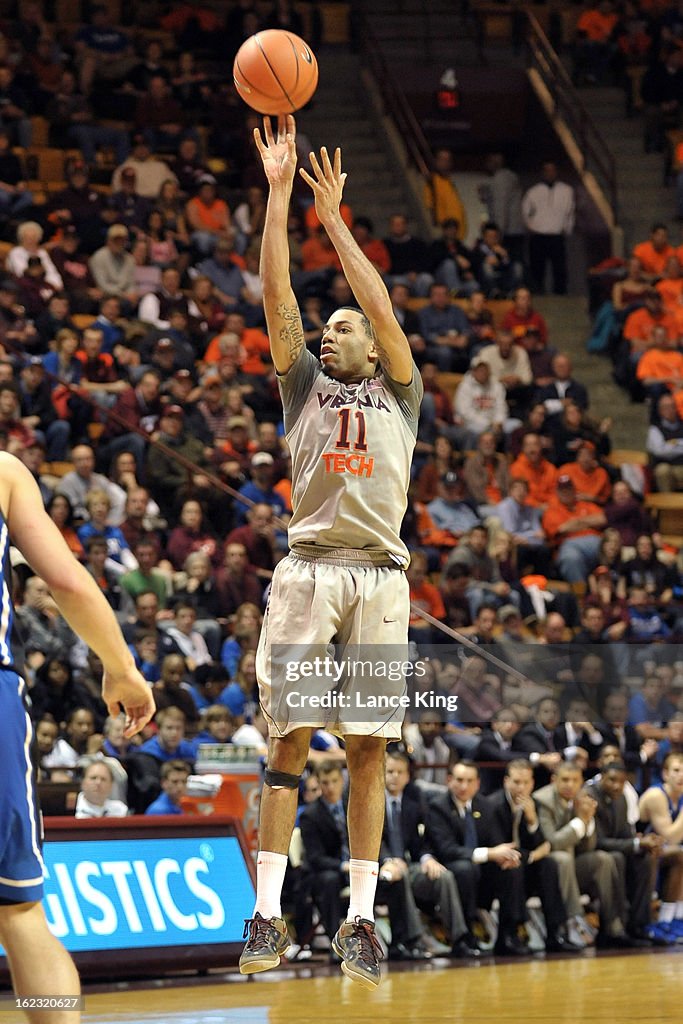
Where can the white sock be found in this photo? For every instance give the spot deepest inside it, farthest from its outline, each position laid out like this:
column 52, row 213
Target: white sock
column 679, row 911
column 270, row 875
column 363, row 881
column 667, row 912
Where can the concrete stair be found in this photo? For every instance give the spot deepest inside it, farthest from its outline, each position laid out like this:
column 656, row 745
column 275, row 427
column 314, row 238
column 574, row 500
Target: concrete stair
column 642, row 195
column 343, row 114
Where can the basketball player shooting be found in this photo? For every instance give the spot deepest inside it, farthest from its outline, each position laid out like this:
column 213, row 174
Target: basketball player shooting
column 351, row 422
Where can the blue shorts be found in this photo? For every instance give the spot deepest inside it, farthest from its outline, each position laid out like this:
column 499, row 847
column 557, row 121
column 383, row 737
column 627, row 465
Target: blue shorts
column 21, row 863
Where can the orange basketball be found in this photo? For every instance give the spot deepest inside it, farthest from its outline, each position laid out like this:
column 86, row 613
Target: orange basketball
column 275, row 72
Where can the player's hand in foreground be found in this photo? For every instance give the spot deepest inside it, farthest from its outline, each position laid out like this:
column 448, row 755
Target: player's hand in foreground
column 130, row 691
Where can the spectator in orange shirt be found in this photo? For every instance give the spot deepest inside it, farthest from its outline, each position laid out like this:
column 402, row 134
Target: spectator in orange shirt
column 660, row 369
column 318, row 253
column 654, row 253
column 539, row 473
column 670, row 287
column 573, row 527
column 591, row 480
column 374, row 248
column 254, row 346
column 208, row 217
column 426, row 596
column 639, row 329
column 594, row 43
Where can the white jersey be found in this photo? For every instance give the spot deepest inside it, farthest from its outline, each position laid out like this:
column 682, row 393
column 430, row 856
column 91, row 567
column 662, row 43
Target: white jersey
column 352, row 446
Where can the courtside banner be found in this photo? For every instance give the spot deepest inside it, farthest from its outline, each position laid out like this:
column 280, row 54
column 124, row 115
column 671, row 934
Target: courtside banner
column 168, row 888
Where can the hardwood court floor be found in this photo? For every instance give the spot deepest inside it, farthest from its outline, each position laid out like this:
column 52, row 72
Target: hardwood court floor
column 587, row 989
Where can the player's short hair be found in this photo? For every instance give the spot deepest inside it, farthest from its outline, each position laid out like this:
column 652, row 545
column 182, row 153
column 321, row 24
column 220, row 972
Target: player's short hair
column 367, row 326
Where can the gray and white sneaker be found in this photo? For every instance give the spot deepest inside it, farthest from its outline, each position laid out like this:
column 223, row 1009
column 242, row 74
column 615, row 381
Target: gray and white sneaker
column 360, row 951
column 266, row 943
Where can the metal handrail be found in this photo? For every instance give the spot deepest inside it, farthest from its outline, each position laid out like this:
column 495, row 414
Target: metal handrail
column 595, row 153
column 396, row 104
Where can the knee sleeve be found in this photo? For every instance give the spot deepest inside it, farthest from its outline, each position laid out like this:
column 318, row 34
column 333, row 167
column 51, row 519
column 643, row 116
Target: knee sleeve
column 281, row 780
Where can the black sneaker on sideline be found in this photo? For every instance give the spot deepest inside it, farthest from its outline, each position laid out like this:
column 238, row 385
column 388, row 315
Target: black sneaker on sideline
column 359, row 948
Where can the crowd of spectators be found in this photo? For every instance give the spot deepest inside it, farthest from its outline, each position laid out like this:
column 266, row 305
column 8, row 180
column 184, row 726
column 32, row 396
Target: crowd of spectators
column 136, row 385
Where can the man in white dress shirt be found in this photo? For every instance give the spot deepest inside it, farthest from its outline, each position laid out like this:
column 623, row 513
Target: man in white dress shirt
column 548, row 209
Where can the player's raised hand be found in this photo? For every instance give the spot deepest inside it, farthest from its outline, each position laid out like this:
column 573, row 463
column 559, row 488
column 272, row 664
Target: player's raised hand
column 278, row 154
column 327, row 185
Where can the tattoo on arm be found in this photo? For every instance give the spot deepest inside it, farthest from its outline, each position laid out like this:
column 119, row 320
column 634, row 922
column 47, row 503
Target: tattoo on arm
column 384, row 357
column 291, row 331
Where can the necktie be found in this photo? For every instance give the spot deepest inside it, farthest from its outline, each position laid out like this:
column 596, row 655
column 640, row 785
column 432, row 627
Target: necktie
column 470, row 829
column 550, row 740
column 516, row 822
column 340, row 822
column 396, row 830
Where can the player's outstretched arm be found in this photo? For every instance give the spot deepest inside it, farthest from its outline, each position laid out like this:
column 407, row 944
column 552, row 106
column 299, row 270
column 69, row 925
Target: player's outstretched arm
column 78, row 597
column 367, row 285
column 285, row 329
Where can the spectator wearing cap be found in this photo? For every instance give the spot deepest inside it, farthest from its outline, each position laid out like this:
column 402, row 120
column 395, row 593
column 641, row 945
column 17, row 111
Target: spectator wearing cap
column 573, row 528
column 159, row 115
column 166, row 476
column 33, row 456
column 450, row 510
column 234, row 457
column 156, row 307
column 539, row 473
column 260, row 488
column 167, row 355
column 479, row 405
column 39, row 414
column 34, row 290
column 81, row 205
column 80, row 291
column 72, row 122
column 15, row 197
column 208, row 217
column 179, row 388
column 29, row 237
column 150, row 172
column 591, row 480
column 127, row 205
column 114, row 268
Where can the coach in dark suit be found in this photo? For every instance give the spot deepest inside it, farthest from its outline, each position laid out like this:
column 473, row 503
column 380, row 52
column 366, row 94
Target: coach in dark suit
column 405, row 850
column 495, row 744
column 616, row 731
column 458, row 829
column 540, row 741
column 512, row 817
column 637, row 854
